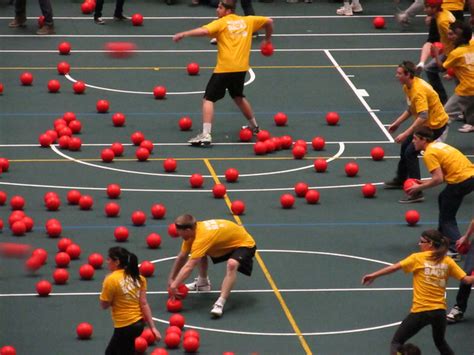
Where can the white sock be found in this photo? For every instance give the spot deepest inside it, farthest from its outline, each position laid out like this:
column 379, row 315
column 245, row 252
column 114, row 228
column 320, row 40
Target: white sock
column 355, row 2
column 221, row 301
column 202, row 280
column 253, row 123
column 206, row 128
column 346, row 4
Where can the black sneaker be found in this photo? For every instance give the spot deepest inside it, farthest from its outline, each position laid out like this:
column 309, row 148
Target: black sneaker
column 418, row 197
column 254, row 130
column 121, row 18
column 393, row 184
column 99, row 21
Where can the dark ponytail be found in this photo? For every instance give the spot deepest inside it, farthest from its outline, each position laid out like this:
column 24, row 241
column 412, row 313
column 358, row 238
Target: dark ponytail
column 127, row 261
column 439, row 243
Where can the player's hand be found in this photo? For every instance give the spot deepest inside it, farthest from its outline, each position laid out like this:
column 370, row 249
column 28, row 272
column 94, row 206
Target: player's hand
column 393, row 127
column 400, row 138
column 461, row 241
column 413, row 189
column 367, row 279
column 156, row 333
column 178, row 37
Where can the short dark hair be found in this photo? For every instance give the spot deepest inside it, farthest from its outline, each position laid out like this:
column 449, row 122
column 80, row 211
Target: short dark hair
column 185, row 221
column 425, row 133
column 466, row 31
column 408, row 67
column 228, row 4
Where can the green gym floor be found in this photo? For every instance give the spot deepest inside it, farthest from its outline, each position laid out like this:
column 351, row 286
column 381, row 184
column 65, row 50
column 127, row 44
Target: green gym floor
column 305, row 294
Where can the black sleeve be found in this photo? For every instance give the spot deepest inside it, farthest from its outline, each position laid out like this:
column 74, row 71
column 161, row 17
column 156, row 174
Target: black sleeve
column 433, row 34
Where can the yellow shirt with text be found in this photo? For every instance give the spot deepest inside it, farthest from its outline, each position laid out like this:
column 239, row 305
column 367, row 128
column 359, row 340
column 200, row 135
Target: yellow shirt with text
column 456, row 167
column 421, row 97
column 123, row 295
column 234, row 39
column 217, row 237
column 429, row 280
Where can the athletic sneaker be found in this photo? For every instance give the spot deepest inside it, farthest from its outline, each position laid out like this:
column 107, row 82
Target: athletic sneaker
column 418, row 197
column 466, row 128
column 345, row 11
column 213, row 41
column 455, row 315
column 453, row 254
column 201, row 139
column 395, row 183
column 193, row 286
column 121, row 18
column 217, row 310
column 254, row 130
column 99, row 21
column 356, row 8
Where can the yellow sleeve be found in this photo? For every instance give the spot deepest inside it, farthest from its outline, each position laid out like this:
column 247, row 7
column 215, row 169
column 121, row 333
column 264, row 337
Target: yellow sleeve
column 107, row 293
column 213, row 27
column 454, row 270
column 408, row 264
column 419, row 103
column 430, row 161
column 258, row 22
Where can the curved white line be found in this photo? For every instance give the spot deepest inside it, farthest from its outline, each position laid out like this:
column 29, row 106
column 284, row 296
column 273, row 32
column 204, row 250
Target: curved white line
column 345, row 331
column 57, row 151
column 70, row 78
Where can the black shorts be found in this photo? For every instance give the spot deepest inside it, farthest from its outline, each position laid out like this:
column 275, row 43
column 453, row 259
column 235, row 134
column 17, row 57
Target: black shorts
column 219, row 82
column 243, row 255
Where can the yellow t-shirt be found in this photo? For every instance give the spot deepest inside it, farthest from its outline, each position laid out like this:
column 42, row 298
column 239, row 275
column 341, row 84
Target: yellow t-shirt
column 461, row 59
column 234, row 39
column 421, row 97
column 217, row 237
column 455, row 166
column 453, row 5
column 123, row 295
column 429, row 280
column 444, row 19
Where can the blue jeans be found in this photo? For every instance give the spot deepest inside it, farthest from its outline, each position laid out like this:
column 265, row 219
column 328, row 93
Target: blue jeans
column 449, row 201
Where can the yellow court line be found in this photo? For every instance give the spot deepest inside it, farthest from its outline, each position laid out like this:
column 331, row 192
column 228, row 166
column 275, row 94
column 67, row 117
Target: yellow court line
column 265, row 271
column 183, row 68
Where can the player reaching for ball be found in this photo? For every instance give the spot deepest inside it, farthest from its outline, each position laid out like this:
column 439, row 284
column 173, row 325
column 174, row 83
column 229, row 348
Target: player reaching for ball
column 219, row 239
column 456, row 313
column 445, row 163
column 234, row 39
column 425, row 106
column 124, row 289
column 431, row 268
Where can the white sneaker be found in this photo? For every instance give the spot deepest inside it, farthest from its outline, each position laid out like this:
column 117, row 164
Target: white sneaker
column 193, row 286
column 201, row 139
column 466, row 128
column 402, row 18
column 356, row 8
column 213, row 41
column 455, row 315
column 217, row 310
column 345, row 11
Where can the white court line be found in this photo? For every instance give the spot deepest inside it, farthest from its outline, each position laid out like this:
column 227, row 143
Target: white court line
column 361, row 98
column 70, row 78
column 57, row 151
column 382, row 34
column 172, row 51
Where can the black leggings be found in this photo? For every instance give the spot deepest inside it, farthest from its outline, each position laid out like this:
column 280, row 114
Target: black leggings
column 123, row 339
column 414, row 322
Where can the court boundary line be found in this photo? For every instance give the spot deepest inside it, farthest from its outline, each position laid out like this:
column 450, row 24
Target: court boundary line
column 359, row 96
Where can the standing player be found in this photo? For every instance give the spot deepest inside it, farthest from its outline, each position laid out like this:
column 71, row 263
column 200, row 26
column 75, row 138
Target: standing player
column 219, row 239
column 460, row 61
column 456, row 313
column 441, row 19
column 424, row 104
column 124, row 289
column 445, row 164
column 234, row 38
column 431, row 269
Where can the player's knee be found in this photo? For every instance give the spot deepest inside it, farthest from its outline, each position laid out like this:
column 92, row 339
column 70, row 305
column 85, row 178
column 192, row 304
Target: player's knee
column 232, row 265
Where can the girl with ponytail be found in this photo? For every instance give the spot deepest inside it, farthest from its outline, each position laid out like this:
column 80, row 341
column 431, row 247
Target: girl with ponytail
column 431, row 268
column 124, row 290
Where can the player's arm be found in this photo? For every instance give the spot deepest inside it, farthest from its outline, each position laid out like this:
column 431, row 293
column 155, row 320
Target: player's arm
column 465, row 238
column 146, row 311
column 269, row 30
column 184, row 273
column 105, row 304
column 369, row 278
column 424, row 54
column 197, row 32
column 400, row 119
column 177, row 266
column 437, row 178
column 419, row 122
